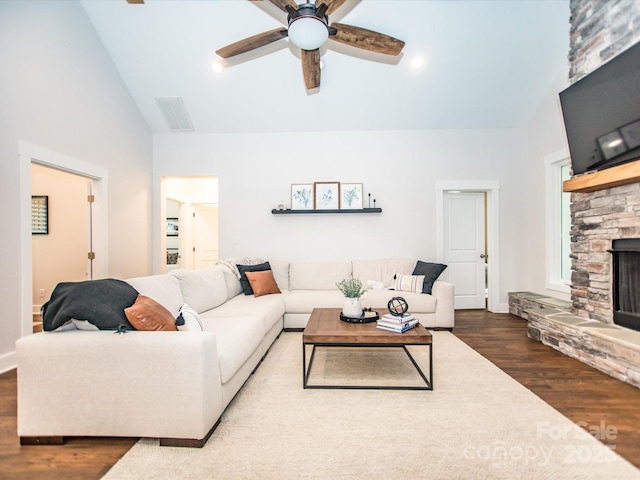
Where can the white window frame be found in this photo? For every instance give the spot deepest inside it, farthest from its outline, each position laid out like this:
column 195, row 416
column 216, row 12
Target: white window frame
column 553, row 188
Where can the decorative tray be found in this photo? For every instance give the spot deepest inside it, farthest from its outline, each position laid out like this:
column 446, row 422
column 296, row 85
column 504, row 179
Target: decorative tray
column 367, row 316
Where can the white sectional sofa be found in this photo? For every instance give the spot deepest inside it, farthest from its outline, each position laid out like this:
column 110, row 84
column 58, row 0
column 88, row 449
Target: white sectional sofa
column 176, row 385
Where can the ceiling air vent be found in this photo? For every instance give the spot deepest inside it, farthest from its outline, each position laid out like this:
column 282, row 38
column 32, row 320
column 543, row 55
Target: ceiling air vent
column 175, row 113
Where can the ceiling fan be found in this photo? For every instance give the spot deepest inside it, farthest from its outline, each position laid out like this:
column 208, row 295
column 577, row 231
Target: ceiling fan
column 308, row 28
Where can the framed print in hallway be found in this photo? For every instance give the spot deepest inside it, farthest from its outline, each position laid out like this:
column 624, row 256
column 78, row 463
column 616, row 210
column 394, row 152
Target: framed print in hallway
column 40, row 214
column 351, row 196
column 327, row 195
column 172, row 227
column 302, row 196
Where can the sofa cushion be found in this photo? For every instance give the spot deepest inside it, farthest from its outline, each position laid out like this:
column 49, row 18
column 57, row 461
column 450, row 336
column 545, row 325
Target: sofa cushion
column 202, row 289
column 304, row 301
column 236, row 338
column 280, row 270
column 382, row 270
column 262, row 283
column 147, row 314
column 409, row 283
column 163, row 288
column 231, row 281
column 418, row 302
column 317, row 275
column 431, row 272
column 268, row 307
column 244, row 281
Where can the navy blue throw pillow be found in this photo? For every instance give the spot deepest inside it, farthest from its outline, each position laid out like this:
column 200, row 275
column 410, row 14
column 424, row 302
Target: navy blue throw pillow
column 431, row 272
column 244, row 281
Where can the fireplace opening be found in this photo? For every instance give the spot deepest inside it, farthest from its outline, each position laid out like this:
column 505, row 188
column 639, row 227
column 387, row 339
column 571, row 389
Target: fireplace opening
column 626, row 282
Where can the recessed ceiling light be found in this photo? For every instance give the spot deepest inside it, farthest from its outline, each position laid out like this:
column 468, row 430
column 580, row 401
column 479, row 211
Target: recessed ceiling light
column 217, row 67
column 417, row 63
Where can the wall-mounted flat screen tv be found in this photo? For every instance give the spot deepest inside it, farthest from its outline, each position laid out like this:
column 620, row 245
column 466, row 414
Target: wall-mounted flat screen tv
column 602, row 114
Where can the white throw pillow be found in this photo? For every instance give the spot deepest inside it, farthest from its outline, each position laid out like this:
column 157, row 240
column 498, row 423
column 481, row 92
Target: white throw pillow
column 409, row 283
column 191, row 320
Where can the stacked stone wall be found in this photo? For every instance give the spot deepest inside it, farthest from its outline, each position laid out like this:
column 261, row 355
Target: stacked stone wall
column 600, row 30
column 597, row 219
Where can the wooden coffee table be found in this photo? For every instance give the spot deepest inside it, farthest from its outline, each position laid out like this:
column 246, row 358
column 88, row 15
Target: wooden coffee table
column 325, row 329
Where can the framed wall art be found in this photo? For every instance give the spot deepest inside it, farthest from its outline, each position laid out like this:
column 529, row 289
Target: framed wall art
column 302, row 196
column 40, row 215
column 327, row 195
column 351, row 196
column 172, row 227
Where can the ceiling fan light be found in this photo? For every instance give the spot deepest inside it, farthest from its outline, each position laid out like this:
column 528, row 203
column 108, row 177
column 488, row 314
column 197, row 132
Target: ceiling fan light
column 308, row 32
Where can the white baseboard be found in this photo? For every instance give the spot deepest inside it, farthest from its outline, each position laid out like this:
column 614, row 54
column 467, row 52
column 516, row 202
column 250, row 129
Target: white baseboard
column 8, row 361
column 502, row 308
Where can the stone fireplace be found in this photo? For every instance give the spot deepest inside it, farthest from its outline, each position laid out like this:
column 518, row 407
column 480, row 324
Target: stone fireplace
column 600, row 29
column 598, row 219
column 605, row 221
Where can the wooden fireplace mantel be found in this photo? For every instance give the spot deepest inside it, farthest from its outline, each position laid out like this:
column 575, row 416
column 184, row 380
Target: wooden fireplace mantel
column 607, row 178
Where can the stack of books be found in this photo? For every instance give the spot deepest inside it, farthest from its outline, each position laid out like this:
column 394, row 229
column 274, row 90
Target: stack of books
column 397, row 323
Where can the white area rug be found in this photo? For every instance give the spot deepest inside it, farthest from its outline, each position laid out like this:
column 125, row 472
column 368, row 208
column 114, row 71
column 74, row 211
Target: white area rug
column 477, row 423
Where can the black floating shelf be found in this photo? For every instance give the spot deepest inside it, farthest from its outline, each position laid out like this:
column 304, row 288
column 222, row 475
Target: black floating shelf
column 355, row 210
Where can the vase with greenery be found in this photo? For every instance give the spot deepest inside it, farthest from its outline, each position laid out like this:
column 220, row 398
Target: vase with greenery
column 352, row 290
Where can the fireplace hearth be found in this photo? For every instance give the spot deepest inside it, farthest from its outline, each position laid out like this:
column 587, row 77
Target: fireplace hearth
column 626, row 282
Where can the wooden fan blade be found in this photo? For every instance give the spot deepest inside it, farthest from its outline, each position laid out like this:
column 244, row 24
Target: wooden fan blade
column 135, row 2
column 321, row 11
column 366, row 39
column 282, row 4
column 332, row 5
column 311, row 68
column 251, row 43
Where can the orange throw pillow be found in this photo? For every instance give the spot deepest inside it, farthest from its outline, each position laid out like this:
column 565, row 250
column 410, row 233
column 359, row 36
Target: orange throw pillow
column 262, row 283
column 147, row 314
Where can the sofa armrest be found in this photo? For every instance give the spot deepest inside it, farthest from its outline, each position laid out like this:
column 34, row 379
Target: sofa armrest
column 444, row 293
column 138, row 384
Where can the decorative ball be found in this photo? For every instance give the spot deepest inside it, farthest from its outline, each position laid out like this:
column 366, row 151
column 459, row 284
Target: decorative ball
column 397, row 306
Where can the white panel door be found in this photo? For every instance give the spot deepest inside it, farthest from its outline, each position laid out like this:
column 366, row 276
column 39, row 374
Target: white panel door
column 464, row 247
column 205, row 236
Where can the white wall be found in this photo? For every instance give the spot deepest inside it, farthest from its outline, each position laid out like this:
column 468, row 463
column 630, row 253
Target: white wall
column 545, row 136
column 60, row 90
column 399, row 168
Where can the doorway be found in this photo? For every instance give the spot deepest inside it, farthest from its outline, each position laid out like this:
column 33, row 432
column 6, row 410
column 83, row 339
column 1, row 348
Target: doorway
column 205, row 235
column 61, row 251
column 465, row 247
column 189, row 217
column 468, row 241
column 32, row 154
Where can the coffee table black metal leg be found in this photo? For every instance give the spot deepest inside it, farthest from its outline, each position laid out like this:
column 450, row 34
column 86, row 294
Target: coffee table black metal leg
column 428, row 381
column 306, row 371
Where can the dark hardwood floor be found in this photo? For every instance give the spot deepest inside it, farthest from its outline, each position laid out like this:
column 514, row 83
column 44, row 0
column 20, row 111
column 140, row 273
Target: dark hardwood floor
column 581, row 393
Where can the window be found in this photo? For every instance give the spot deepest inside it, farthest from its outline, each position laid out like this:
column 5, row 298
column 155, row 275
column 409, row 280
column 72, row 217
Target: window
column 565, row 226
column 558, row 224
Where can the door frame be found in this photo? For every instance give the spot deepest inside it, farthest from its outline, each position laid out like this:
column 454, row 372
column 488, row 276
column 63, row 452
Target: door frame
column 28, row 154
column 492, row 189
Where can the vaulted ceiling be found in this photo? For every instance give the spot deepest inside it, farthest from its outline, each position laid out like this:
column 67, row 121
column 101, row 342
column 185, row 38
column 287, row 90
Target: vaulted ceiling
column 465, row 64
